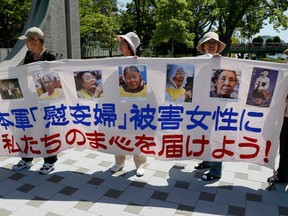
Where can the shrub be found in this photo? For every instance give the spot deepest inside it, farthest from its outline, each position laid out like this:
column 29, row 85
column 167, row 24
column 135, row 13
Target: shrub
column 276, row 39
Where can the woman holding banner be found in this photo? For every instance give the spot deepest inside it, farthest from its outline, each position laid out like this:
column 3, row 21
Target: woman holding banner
column 282, row 172
column 211, row 46
column 128, row 44
column 283, row 163
column 281, row 175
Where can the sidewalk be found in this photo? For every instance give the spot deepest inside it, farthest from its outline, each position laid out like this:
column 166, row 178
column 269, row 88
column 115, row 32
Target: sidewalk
column 82, row 184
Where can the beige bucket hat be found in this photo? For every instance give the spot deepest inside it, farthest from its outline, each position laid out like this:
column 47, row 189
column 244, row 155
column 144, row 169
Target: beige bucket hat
column 132, row 39
column 208, row 36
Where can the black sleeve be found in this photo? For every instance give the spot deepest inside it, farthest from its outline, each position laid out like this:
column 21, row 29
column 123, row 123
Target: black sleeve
column 48, row 56
column 28, row 58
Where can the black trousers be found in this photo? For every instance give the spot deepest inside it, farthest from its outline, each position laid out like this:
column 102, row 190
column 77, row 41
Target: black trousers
column 283, row 150
column 50, row 160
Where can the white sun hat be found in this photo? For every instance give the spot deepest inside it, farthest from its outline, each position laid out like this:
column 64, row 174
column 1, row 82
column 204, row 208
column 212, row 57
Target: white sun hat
column 132, row 39
column 208, row 36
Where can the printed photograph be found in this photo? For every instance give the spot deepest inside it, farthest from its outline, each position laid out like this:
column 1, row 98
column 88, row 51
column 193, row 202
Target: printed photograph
column 10, row 89
column 262, row 85
column 179, row 83
column 89, row 84
column 48, row 86
column 225, row 84
column 133, row 81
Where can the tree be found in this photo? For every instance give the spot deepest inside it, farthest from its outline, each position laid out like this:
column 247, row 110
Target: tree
column 276, row 39
column 226, row 17
column 248, row 15
column 232, row 15
column 139, row 18
column 269, row 41
column 172, row 24
column 202, row 22
column 13, row 16
column 275, row 13
column 258, row 41
column 250, row 24
column 99, row 22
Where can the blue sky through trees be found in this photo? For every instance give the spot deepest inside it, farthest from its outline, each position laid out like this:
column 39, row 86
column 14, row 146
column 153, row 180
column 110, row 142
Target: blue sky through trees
column 267, row 30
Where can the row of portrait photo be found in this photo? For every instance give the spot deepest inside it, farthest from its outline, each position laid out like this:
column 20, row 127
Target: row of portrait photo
column 224, row 84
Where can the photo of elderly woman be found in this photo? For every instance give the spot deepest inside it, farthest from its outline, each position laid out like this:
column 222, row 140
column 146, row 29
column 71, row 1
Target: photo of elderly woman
column 89, row 84
column 224, row 84
column 179, row 83
column 263, row 82
column 132, row 81
column 48, row 86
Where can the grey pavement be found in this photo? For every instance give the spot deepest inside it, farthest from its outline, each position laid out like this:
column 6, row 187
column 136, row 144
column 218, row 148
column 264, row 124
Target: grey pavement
column 82, row 184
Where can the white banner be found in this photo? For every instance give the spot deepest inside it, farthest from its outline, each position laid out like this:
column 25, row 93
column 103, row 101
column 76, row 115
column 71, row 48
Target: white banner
column 218, row 109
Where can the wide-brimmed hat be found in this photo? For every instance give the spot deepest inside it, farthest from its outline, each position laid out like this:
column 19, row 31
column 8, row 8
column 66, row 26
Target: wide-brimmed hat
column 31, row 33
column 208, row 36
column 132, row 39
column 285, row 51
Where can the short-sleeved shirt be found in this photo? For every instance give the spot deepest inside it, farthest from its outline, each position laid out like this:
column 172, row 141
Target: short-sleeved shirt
column 46, row 56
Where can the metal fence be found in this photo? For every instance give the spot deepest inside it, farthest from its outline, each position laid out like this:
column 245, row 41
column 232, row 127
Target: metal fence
column 97, row 53
column 270, row 47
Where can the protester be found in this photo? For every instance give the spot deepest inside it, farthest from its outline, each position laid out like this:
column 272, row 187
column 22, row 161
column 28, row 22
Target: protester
column 281, row 175
column 128, row 44
column 89, row 86
column 132, row 84
column 224, row 83
column 211, row 46
column 175, row 91
column 50, row 84
column 282, row 172
column 34, row 40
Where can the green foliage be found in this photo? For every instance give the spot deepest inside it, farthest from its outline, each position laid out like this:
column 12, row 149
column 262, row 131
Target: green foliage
column 269, row 40
column 276, row 39
column 278, row 60
column 147, row 53
column 235, row 40
column 258, row 39
column 88, row 14
column 275, row 12
column 98, row 22
column 175, row 25
column 139, row 18
column 13, row 16
column 172, row 23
